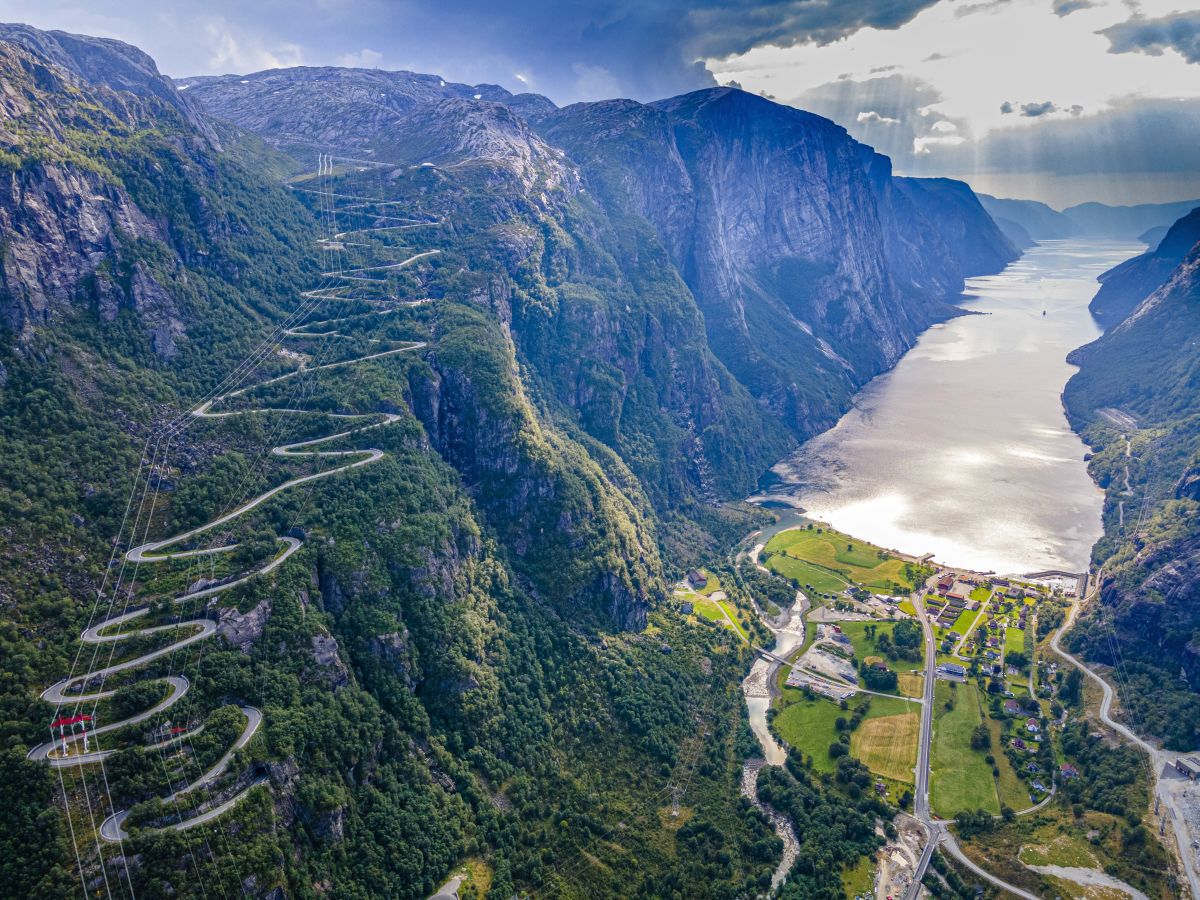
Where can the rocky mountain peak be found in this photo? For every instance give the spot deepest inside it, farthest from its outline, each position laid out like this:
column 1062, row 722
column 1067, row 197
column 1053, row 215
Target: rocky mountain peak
column 109, row 63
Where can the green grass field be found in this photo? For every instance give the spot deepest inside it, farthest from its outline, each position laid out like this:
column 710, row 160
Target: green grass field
column 836, row 553
column 962, row 779
column 1012, row 790
column 808, row 725
column 964, row 621
column 805, row 574
column 1014, row 640
column 859, row 880
column 980, row 594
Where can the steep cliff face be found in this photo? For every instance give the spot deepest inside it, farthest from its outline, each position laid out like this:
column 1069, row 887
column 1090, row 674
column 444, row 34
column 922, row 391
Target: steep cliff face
column 1125, row 286
column 1148, row 366
column 951, row 212
column 113, row 203
column 813, row 269
column 579, row 541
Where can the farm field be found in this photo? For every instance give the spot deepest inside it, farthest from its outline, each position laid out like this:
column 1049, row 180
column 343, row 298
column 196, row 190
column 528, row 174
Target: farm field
column 961, row 778
column 911, row 685
column 808, row 725
column 887, row 745
column 839, row 555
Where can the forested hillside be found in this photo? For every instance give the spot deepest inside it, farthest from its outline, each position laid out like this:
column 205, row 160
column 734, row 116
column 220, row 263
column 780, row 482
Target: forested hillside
column 1140, row 383
column 461, row 647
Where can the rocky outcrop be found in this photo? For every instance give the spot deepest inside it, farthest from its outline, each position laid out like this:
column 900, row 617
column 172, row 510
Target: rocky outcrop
column 394, row 650
column 111, row 64
column 388, row 116
column 243, row 630
column 325, row 654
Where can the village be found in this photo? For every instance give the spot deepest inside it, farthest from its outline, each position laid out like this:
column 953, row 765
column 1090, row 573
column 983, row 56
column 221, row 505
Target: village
column 852, row 681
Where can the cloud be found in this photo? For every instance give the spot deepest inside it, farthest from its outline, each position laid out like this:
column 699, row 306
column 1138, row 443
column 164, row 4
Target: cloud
column 644, row 49
column 594, row 82
column 1137, row 134
column 1006, row 107
column 231, row 50
column 872, row 116
column 363, row 59
column 969, row 9
column 1066, row 7
column 896, row 114
column 1179, row 32
column 1033, row 110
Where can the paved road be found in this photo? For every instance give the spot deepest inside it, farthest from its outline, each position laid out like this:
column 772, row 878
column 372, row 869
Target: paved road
column 951, row 845
column 62, row 693
column 1159, row 759
column 936, row 830
column 112, row 830
column 924, row 741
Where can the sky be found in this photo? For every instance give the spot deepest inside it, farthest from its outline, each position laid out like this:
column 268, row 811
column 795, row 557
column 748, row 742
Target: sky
column 1059, row 100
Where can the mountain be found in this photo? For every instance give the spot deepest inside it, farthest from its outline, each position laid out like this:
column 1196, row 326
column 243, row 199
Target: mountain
column 950, row 209
column 1141, row 382
column 1126, row 223
column 801, row 252
column 1151, row 236
column 102, row 62
column 1125, row 286
column 479, row 400
column 1034, row 218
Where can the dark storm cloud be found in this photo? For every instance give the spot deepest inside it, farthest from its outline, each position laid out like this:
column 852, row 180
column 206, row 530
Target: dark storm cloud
column 567, row 49
column 1033, row 110
column 1178, row 31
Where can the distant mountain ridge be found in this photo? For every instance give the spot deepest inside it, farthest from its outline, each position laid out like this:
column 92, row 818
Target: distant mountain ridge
column 1126, row 223
column 1043, row 223
column 1037, row 220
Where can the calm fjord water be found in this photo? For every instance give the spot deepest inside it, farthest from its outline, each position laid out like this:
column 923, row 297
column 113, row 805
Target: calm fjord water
column 963, row 449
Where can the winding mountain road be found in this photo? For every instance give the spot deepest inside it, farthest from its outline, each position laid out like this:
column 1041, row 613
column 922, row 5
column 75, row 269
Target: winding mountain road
column 71, row 690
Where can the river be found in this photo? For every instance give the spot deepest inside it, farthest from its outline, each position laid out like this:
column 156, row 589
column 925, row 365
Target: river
column 963, row 449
